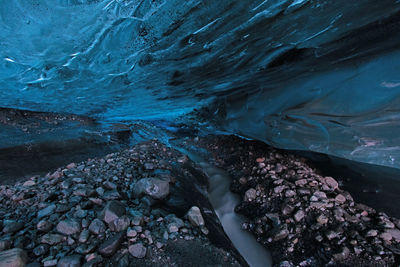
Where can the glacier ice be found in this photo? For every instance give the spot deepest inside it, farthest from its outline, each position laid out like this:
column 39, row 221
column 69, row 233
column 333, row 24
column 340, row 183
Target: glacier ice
column 312, row 75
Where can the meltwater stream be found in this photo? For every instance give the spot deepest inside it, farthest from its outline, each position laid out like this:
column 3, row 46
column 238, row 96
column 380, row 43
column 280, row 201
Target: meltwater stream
column 224, row 203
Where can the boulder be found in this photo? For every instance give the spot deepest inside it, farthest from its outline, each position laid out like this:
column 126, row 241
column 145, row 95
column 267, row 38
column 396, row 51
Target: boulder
column 153, row 187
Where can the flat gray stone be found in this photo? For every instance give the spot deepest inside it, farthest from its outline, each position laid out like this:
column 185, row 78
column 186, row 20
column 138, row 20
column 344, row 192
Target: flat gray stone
column 46, row 211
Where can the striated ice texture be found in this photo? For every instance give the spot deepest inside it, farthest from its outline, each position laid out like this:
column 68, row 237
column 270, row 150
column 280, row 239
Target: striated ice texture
column 298, row 74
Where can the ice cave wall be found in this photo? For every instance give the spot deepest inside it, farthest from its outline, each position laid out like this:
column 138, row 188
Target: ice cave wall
column 298, row 74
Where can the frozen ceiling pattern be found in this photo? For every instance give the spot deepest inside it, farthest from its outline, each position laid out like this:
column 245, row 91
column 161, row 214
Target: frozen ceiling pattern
column 298, row 74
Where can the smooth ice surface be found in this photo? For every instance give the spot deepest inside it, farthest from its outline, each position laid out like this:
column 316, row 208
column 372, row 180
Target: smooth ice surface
column 298, row 74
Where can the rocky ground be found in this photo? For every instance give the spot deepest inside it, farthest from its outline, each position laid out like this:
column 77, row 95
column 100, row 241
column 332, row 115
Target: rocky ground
column 305, row 219
column 137, row 207
column 146, row 206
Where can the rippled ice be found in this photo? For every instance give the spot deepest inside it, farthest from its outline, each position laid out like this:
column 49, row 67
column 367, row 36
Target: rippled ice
column 298, row 74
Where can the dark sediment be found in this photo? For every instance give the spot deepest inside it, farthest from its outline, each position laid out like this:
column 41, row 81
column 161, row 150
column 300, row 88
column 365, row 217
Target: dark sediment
column 35, row 142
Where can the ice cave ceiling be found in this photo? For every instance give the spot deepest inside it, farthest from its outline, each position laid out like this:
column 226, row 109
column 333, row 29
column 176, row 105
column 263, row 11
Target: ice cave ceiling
column 315, row 75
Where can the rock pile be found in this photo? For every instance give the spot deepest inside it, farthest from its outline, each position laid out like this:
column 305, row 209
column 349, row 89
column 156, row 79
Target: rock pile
column 305, row 219
column 105, row 211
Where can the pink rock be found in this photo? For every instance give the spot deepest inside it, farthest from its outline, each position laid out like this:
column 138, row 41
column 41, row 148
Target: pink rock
column 394, row 233
column 71, row 166
column 301, row 182
column 340, row 199
column 332, row 183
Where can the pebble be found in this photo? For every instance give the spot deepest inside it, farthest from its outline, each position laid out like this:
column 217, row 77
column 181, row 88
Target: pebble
column 12, row 226
column 287, row 210
column 386, row 236
column 110, row 246
column 282, row 234
column 250, row 195
column 301, row 182
column 385, row 222
column 69, row 227
column 299, row 215
column 70, row 261
column 29, row 183
column 49, row 263
column 290, row 193
column 113, row 210
column 279, row 189
column 112, row 195
column 331, row 182
column 46, row 211
column 51, row 239
column 342, row 255
column 97, row 227
column 195, row 217
column 322, row 219
column 372, row 233
column 138, row 250
column 172, row 228
column 395, row 233
column 84, row 236
column 340, row 199
column 44, row 226
column 71, row 166
column 131, row 232
column 331, row 235
column 40, row 250
column 119, row 224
